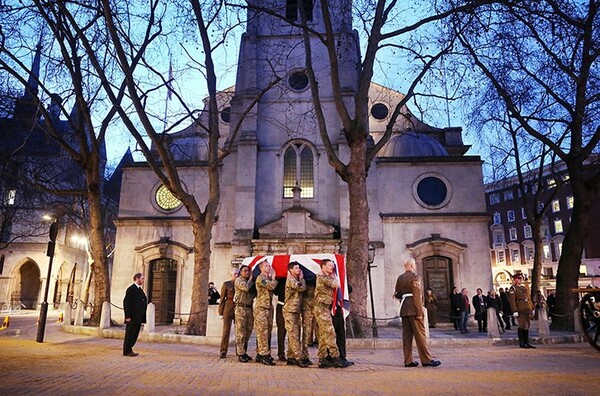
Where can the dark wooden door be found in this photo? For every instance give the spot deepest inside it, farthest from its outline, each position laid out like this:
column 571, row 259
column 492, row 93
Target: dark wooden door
column 437, row 277
column 163, row 283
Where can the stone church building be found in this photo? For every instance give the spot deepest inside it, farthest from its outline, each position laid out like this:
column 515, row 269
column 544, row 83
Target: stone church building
column 426, row 197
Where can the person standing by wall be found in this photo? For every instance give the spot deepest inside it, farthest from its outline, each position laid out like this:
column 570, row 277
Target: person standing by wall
column 506, row 311
column 454, row 313
column 329, row 355
column 464, row 309
column 244, row 317
column 409, row 291
column 480, row 304
column 431, row 305
column 495, row 303
column 134, row 305
column 519, row 297
column 226, row 311
column 292, row 312
column 263, row 312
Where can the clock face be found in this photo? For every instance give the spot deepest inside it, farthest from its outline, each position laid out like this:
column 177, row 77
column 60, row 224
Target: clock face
column 165, row 200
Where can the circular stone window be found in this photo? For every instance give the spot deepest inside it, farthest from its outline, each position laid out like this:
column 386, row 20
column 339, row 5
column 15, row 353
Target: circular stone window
column 379, row 111
column 165, row 199
column 431, row 191
column 226, row 114
column 298, row 80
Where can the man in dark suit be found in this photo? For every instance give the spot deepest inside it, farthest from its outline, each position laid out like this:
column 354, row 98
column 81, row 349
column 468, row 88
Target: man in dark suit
column 226, row 310
column 480, row 303
column 134, row 305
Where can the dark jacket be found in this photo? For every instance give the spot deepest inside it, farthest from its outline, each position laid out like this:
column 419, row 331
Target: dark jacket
column 480, row 305
column 134, row 304
column 462, row 303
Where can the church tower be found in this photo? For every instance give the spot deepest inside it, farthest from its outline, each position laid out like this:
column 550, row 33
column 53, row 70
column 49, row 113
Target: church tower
column 279, row 147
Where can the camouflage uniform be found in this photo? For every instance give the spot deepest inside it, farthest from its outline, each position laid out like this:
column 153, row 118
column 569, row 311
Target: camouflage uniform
column 308, row 304
column 243, row 314
column 322, row 311
column 291, row 314
column 263, row 313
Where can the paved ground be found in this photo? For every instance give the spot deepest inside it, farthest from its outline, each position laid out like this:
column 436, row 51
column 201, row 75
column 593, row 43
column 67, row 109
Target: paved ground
column 74, row 364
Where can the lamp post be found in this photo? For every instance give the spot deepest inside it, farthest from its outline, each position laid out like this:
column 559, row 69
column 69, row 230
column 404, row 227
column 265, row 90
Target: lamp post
column 44, row 307
column 370, row 259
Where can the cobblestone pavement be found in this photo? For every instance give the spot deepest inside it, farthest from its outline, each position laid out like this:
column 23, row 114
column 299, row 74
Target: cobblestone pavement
column 74, row 364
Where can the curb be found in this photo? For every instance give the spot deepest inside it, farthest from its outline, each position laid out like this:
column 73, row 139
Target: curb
column 351, row 343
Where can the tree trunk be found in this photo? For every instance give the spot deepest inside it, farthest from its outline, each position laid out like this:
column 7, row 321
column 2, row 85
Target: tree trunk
column 358, row 236
column 538, row 247
column 567, row 276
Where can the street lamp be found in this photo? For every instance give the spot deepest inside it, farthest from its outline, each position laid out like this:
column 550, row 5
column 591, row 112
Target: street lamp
column 370, row 259
column 44, row 307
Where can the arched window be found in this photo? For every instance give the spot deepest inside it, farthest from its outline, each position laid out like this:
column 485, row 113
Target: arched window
column 292, row 9
column 298, row 169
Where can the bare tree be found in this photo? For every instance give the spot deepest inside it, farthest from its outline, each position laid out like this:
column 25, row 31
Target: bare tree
column 541, row 60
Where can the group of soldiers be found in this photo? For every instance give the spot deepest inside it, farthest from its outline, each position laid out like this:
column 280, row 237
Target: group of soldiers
column 251, row 307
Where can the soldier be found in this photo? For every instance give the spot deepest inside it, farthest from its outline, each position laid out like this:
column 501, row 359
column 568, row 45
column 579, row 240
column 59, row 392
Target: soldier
column 408, row 289
column 520, row 304
column 329, row 355
column 243, row 313
column 226, row 309
column 263, row 314
column 294, row 286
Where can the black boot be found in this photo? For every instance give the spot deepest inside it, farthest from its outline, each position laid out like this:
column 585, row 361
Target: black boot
column 521, row 338
column 526, row 337
column 341, row 363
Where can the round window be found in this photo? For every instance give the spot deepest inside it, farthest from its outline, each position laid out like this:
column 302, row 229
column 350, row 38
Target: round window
column 298, row 80
column 432, row 191
column 226, row 114
column 379, row 111
column 166, row 200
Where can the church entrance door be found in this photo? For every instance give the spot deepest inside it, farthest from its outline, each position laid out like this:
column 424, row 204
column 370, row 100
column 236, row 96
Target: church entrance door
column 437, row 274
column 30, row 285
column 162, row 289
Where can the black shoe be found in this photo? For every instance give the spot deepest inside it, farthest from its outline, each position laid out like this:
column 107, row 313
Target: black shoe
column 222, row 355
column 432, row 363
column 259, row 358
column 325, row 363
column 292, row 362
column 268, row 360
column 248, row 357
column 411, row 364
column 131, row 354
column 307, row 361
column 243, row 358
column 282, row 358
column 302, row 363
column 341, row 363
column 528, row 345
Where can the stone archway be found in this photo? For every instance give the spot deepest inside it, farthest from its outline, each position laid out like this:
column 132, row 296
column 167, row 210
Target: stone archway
column 28, row 285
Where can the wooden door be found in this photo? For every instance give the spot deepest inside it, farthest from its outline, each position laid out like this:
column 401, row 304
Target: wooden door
column 163, row 283
column 437, row 277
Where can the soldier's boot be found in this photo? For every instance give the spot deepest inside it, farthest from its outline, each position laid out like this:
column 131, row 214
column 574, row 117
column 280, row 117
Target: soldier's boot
column 292, row 362
column 325, row 363
column 307, row 361
column 268, row 360
column 521, row 338
column 259, row 358
column 526, row 337
column 341, row 363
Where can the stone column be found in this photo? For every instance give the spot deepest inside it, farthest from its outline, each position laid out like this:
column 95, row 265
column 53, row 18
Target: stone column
column 150, row 326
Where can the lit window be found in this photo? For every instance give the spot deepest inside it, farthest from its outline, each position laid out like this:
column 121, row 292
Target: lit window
column 546, row 250
column 500, row 256
column 527, row 231
column 515, row 256
column 558, row 226
column 510, row 215
column 570, row 202
column 298, row 170
column 508, row 195
column 498, row 237
column 497, row 219
column 523, row 213
column 559, row 246
column 550, row 182
column 555, row 206
column 494, row 199
column 10, row 197
column 529, row 253
column 513, row 234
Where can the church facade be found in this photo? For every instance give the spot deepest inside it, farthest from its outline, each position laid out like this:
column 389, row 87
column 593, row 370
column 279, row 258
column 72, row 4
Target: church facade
column 279, row 195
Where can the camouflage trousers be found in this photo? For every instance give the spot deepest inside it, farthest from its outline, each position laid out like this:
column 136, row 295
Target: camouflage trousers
column 326, row 331
column 263, row 325
column 307, row 328
column 292, row 326
column 244, row 321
